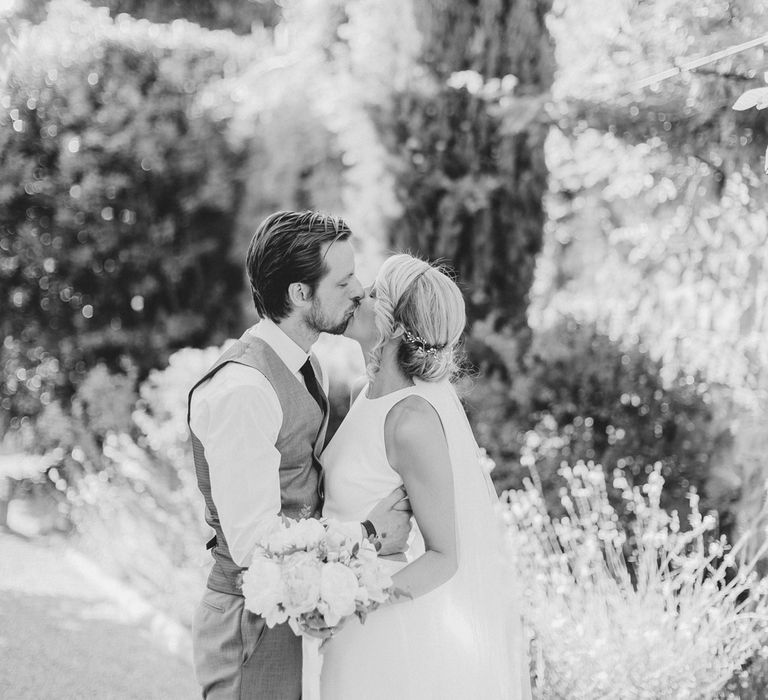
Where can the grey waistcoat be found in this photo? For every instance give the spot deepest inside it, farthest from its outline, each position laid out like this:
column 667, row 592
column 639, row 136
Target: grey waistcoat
column 299, row 442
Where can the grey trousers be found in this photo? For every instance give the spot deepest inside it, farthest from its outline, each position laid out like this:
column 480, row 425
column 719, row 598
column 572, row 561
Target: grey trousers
column 237, row 657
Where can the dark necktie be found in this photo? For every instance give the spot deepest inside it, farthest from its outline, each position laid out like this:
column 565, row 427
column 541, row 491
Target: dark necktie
column 313, row 387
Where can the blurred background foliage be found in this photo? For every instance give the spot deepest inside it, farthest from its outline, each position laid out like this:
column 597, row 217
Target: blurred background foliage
column 116, row 172
column 609, row 238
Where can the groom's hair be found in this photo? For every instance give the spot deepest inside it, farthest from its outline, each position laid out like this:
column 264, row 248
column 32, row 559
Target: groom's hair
column 286, row 248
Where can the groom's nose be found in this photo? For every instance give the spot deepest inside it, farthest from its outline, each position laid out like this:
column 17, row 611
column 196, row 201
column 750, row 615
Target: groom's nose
column 356, row 290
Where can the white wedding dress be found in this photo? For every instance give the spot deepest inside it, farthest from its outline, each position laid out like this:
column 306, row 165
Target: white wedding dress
column 462, row 641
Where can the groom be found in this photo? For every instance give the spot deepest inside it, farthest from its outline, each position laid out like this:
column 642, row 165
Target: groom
column 258, row 419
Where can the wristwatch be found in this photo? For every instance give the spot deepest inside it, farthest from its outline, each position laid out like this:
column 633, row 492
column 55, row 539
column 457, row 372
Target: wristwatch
column 370, row 530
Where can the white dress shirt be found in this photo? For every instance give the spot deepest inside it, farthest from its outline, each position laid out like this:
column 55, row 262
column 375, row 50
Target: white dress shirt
column 236, row 415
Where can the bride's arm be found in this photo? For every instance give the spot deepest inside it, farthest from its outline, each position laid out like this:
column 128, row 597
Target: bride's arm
column 418, row 451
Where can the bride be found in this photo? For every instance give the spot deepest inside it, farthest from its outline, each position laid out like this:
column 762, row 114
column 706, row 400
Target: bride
column 457, row 633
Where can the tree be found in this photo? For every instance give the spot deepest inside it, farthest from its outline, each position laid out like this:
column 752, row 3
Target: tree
column 469, row 178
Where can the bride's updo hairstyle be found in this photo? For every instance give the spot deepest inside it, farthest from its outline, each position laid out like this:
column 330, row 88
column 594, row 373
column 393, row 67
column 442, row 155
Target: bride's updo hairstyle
column 426, row 303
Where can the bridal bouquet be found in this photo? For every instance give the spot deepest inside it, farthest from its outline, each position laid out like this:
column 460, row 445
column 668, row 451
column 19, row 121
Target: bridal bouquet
column 309, row 573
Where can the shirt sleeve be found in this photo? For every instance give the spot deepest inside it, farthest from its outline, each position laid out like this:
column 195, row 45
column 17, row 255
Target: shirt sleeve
column 237, row 418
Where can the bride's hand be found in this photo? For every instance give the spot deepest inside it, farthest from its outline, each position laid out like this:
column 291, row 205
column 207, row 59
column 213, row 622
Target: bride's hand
column 318, row 631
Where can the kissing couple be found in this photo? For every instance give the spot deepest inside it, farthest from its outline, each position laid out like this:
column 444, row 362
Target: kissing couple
column 403, row 468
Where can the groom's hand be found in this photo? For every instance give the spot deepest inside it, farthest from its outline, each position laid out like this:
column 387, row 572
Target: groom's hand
column 391, row 517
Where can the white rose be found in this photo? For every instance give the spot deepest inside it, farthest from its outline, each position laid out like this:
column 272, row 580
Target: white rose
column 264, row 590
column 307, row 533
column 336, row 539
column 338, row 589
column 375, row 584
column 372, row 578
column 279, row 541
column 301, row 577
column 367, row 553
column 267, row 528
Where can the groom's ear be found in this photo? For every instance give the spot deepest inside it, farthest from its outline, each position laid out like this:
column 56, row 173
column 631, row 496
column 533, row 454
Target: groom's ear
column 299, row 294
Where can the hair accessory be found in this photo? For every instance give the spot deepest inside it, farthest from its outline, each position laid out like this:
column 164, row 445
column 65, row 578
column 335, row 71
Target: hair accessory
column 421, row 343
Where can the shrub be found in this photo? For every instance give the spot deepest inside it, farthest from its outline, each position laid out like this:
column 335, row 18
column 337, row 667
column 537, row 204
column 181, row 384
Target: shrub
column 578, row 395
column 750, row 682
column 129, row 487
column 118, row 195
column 104, row 401
column 655, row 610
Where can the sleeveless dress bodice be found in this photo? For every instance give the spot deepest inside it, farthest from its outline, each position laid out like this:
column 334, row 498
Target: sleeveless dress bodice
column 357, row 472
column 356, row 479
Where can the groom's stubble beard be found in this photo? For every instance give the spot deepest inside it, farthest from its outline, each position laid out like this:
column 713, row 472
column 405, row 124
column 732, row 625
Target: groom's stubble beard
column 319, row 322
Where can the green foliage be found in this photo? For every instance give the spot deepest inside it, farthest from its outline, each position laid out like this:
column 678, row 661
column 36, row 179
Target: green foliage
column 471, row 181
column 288, row 106
column 104, row 402
column 68, row 443
column 120, row 469
column 649, row 244
column 140, row 513
column 118, row 195
column 749, row 683
column 619, row 44
column 757, row 97
column 73, row 438
column 235, row 15
column 660, row 607
column 33, row 11
column 656, row 224
column 582, row 396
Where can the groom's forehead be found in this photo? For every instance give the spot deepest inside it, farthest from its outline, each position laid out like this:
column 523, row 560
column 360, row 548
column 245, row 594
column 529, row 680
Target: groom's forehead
column 338, row 258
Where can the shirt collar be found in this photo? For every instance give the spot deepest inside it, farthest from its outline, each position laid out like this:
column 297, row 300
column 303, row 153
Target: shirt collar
column 285, row 348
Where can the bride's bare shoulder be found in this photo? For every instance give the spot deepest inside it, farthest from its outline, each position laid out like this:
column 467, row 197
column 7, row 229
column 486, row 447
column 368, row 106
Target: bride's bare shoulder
column 412, row 427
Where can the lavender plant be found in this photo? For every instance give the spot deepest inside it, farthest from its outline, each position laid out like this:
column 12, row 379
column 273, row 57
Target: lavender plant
column 655, row 611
